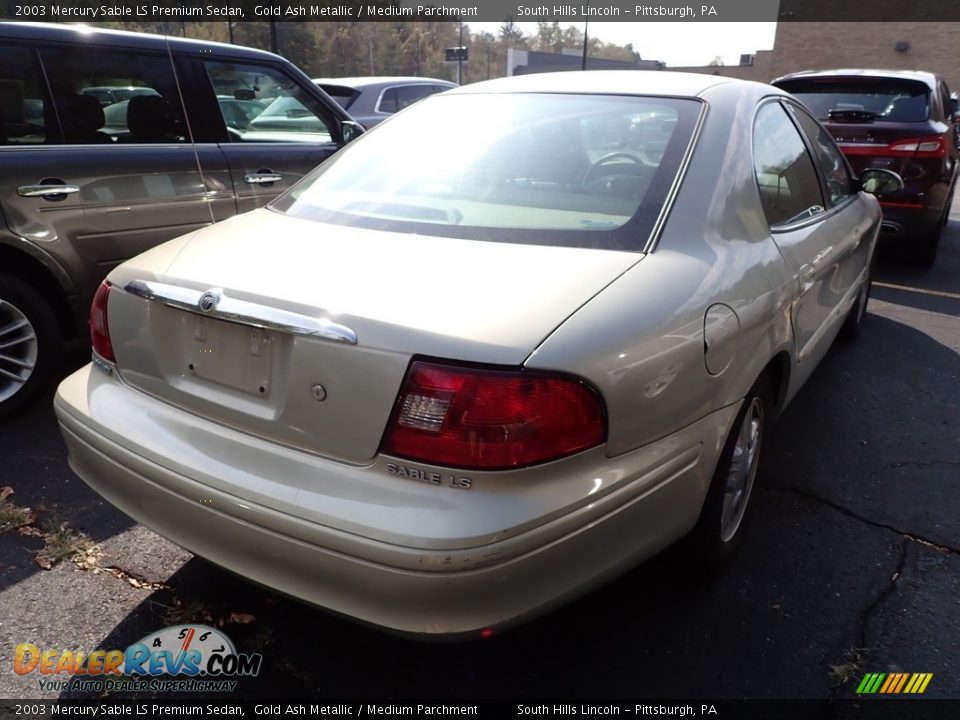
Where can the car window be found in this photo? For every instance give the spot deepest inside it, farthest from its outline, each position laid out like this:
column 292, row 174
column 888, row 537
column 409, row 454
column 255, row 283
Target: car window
column 828, row 155
column 23, row 104
column 863, row 99
column 151, row 112
column 553, row 169
column 789, row 187
column 277, row 109
column 397, row 98
column 945, row 100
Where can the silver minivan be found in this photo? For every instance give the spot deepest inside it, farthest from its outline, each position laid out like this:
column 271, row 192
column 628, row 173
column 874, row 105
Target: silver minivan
column 89, row 178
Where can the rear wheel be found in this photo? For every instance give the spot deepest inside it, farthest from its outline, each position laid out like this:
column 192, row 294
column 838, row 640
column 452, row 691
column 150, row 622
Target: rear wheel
column 726, row 509
column 29, row 344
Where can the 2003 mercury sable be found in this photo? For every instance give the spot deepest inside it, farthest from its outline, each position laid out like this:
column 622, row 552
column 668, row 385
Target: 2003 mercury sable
column 513, row 342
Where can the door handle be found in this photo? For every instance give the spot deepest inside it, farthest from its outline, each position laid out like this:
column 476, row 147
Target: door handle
column 808, row 274
column 46, row 190
column 262, row 178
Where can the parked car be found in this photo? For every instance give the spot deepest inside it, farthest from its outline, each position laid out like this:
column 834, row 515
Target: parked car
column 85, row 187
column 371, row 100
column 441, row 386
column 237, row 115
column 898, row 120
column 115, row 93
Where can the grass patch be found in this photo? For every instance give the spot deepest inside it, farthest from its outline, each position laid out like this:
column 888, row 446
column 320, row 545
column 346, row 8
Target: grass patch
column 13, row 517
column 61, row 542
column 850, row 668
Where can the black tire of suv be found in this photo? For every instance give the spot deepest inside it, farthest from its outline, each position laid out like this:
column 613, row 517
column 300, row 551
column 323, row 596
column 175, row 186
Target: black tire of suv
column 49, row 341
column 927, row 250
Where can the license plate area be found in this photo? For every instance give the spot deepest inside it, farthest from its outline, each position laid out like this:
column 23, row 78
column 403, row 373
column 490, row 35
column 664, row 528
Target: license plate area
column 239, row 357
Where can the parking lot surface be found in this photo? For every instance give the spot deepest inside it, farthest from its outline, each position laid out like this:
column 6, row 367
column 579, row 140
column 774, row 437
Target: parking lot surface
column 851, row 565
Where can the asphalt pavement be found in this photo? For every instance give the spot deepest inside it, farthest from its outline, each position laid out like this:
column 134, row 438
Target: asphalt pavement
column 852, row 563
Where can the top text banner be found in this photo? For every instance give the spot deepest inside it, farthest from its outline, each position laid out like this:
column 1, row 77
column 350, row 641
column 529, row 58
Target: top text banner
column 394, row 10
column 481, row 11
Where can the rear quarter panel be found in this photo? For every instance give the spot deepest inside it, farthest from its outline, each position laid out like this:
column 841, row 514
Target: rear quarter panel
column 641, row 341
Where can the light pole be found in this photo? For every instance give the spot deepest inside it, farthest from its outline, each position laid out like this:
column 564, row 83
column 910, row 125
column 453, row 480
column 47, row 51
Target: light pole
column 460, row 57
column 586, row 26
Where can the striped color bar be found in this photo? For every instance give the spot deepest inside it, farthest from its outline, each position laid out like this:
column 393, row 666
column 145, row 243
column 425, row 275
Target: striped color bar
column 894, row 683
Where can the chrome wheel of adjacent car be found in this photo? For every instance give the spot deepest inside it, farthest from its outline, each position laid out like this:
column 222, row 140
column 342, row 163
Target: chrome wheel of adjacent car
column 30, row 343
column 18, row 349
column 742, row 471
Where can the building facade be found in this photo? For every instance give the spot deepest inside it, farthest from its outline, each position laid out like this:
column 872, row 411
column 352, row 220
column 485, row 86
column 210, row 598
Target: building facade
column 931, row 46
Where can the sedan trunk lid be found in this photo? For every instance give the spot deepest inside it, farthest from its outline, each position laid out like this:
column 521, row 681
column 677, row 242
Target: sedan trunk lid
column 262, row 369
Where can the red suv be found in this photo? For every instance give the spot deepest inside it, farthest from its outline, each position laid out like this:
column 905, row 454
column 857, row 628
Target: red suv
column 897, row 120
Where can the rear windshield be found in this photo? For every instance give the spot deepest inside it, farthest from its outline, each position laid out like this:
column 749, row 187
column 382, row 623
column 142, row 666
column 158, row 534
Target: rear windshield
column 549, row 169
column 862, row 99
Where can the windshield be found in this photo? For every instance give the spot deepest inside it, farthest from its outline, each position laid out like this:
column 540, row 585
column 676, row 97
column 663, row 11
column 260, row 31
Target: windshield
column 584, row 170
column 862, row 100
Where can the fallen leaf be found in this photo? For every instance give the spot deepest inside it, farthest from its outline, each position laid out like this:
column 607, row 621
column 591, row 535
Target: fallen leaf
column 44, row 563
column 5, row 492
column 240, row 618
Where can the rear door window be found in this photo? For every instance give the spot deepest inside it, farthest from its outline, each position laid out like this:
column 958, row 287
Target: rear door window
column 140, row 91
column 788, row 182
column 25, row 112
column 828, row 155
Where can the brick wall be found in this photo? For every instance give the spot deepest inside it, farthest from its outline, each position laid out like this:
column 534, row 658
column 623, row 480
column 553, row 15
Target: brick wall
column 934, row 46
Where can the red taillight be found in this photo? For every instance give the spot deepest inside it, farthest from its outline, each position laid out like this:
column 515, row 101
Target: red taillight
column 99, row 327
column 925, row 147
column 491, row 419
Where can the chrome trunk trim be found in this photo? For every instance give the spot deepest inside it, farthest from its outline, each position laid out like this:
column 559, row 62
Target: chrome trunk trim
column 241, row 311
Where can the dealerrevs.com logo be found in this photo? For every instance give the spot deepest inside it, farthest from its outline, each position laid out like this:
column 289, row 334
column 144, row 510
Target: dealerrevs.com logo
column 184, row 658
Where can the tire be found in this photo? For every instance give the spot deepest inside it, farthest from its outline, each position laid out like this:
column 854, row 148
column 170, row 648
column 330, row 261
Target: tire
column 723, row 519
column 850, row 329
column 926, row 251
column 30, row 345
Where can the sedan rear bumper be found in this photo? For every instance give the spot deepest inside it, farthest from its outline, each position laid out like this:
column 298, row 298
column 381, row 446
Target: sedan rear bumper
column 407, row 589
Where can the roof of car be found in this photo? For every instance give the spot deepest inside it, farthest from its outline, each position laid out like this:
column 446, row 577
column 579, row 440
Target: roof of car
column 926, row 77
column 615, row 82
column 63, row 32
column 359, row 82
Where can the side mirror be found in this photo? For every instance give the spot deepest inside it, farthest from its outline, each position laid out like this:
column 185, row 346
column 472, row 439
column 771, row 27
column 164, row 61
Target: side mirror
column 878, row 181
column 351, row 130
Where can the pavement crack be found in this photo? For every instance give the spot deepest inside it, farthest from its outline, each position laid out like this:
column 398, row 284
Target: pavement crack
column 891, row 587
column 910, row 463
column 911, row 536
column 851, row 664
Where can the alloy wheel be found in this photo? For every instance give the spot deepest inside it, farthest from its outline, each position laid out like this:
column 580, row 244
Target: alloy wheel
column 18, row 349
column 743, row 470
